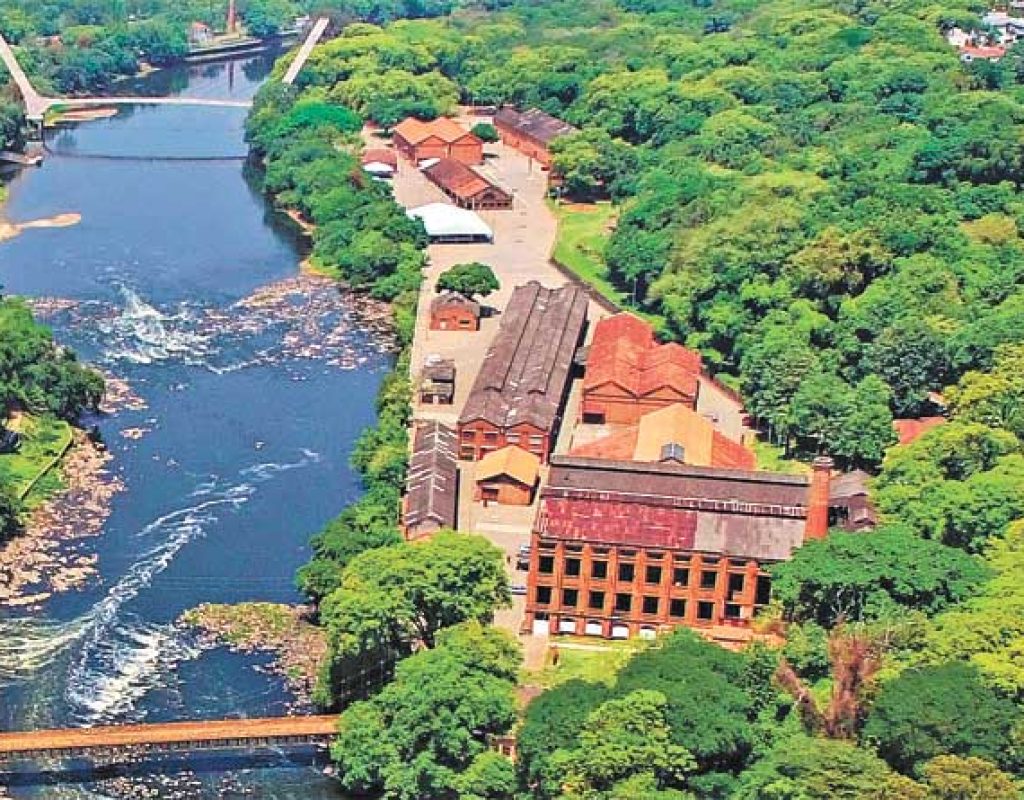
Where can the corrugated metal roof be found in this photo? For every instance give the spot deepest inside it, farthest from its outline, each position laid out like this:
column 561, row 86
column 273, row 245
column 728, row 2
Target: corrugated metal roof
column 432, row 481
column 534, row 123
column 526, row 368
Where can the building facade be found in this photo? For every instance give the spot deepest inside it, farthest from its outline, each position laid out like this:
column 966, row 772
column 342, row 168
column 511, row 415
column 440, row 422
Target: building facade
column 630, row 374
column 520, row 391
column 441, row 138
column 453, row 312
column 507, row 477
column 467, row 188
column 625, row 549
column 530, row 132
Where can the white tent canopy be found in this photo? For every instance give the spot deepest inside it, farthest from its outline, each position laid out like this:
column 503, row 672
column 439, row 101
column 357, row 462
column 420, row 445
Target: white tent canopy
column 447, row 223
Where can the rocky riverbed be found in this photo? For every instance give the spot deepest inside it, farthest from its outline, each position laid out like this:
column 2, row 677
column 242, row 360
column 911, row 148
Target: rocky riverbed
column 298, row 646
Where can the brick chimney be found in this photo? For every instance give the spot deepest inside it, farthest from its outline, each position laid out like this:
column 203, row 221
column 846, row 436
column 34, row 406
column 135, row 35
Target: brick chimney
column 232, row 24
column 817, row 499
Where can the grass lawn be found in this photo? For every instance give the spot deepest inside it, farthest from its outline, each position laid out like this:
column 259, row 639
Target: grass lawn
column 583, row 231
column 44, row 441
column 771, row 457
column 599, row 663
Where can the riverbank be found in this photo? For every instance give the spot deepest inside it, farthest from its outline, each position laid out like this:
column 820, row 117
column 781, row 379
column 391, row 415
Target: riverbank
column 43, row 559
column 298, row 646
column 8, row 230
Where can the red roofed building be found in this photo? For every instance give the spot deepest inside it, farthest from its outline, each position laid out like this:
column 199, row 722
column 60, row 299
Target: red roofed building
column 969, row 53
column 623, row 549
column 440, row 138
column 676, row 433
column 629, row 373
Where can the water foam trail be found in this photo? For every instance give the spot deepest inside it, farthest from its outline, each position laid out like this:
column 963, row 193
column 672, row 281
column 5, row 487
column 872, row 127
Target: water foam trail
column 119, row 661
column 141, row 334
column 28, row 644
column 264, row 472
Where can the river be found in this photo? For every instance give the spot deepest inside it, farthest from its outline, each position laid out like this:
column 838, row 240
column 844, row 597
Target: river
column 253, row 398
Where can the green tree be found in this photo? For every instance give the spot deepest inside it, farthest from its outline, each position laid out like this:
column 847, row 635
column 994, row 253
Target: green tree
column 425, row 734
column 485, row 132
column 943, row 710
column 621, row 739
column 395, row 599
column 471, row 280
column 956, row 778
column 801, row 767
column 855, row 577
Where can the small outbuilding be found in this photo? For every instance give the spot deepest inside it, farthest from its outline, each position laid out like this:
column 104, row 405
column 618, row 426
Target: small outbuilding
column 380, row 162
column 507, row 476
column 446, row 224
column 452, row 311
column 437, row 381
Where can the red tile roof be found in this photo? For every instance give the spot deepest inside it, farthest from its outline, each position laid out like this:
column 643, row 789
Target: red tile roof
column 463, row 182
column 910, row 429
column 415, row 131
column 381, row 155
column 994, row 52
column 625, row 352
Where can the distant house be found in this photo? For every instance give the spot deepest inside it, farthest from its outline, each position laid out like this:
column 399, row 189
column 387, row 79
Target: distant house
column 431, row 489
column 442, row 138
column 199, row 33
column 1008, row 29
column 380, row 162
column 466, row 187
column 629, row 373
column 531, row 132
column 675, row 434
column 453, row 312
column 507, row 476
column 850, row 505
column 969, row 53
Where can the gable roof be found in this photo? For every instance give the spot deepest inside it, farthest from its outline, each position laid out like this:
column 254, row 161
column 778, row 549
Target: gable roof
column 416, row 131
column 625, row 352
column 512, row 461
column 676, row 424
column 460, row 180
column 432, row 481
column 380, row 155
column 534, row 123
column 456, row 300
column 526, row 368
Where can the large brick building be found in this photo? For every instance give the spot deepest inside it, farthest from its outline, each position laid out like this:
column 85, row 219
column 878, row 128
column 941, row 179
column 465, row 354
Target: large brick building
column 531, row 132
column 522, row 384
column 629, row 373
column 441, row 138
column 624, row 549
column 432, row 483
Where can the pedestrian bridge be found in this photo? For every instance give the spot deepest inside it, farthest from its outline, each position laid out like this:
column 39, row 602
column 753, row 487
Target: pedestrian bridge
column 37, row 105
column 166, row 737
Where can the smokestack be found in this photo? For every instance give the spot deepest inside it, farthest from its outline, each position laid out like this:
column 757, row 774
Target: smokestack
column 817, row 499
column 232, row 16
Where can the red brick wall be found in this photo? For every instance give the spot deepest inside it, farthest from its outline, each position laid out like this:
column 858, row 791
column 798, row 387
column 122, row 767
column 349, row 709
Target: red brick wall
column 727, row 604
column 478, row 438
column 504, row 491
column 454, row 319
column 468, row 151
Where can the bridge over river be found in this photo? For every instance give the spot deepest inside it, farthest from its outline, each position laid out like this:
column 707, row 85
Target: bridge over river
column 165, row 737
column 37, row 105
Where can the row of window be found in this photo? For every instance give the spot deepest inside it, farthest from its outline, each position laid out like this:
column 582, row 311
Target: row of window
column 623, row 604
column 470, row 435
column 626, row 554
column 653, row 574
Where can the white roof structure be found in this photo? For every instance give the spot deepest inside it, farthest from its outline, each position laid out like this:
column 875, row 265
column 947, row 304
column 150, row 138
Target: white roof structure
column 444, row 221
column 379, row 168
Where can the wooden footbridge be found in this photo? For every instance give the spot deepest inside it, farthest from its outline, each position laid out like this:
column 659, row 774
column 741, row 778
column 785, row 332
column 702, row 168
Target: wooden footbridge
column 168, row 737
